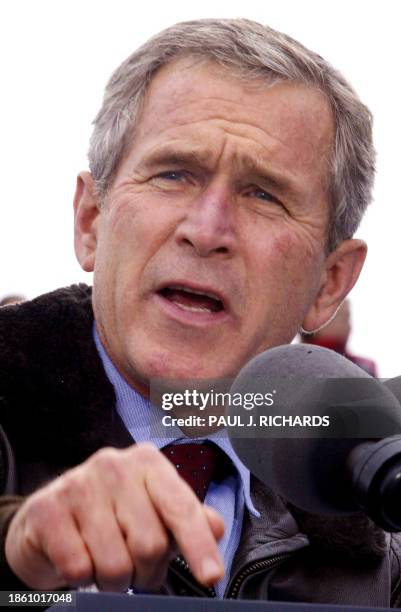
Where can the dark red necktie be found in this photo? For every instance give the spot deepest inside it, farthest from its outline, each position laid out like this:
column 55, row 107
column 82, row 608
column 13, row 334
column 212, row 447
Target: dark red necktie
column 198, row 464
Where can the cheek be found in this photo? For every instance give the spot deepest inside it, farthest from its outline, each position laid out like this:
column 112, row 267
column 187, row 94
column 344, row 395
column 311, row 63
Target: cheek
column 117, row 242
column 123, row 243
column 286, row 275
column 280, row 256
column 296, row 247
column 123, row 225
column 137, row 226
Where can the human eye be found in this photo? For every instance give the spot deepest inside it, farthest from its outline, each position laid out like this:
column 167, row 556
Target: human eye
column 174, row 181
column 262, row 194
column 172, row 175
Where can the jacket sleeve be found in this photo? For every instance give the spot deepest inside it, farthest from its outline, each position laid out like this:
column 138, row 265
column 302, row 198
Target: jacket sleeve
column 8, row 473
column 9, row 504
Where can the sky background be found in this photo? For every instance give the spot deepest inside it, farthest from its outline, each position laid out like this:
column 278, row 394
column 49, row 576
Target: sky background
column 55, row 60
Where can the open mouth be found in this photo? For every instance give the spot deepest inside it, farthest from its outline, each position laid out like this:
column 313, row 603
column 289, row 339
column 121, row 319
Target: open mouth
column 192, row 300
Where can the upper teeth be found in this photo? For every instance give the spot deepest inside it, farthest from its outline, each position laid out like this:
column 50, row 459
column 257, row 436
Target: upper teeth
column 181, row 288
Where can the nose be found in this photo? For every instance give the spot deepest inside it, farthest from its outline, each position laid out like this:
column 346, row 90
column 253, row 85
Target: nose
column 208, row 226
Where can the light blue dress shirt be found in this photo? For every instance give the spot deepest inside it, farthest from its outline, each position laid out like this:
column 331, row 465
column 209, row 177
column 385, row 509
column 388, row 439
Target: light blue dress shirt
column 229, row 497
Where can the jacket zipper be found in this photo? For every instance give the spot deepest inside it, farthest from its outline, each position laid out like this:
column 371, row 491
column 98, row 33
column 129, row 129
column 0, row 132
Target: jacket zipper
column 182, row 569
column 395, row 596
column 252, row 568
column 180, row 566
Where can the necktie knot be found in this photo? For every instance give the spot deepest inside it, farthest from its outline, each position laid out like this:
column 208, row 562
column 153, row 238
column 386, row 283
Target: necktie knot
column 198, row 464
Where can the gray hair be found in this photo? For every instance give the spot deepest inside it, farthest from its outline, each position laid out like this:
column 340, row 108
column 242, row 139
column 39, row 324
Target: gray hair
column 252, row 50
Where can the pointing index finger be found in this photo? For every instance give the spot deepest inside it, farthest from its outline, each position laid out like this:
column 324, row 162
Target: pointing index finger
column 187, row 519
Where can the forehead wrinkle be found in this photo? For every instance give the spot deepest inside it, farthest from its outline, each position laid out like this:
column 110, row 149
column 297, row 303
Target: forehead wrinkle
column 197, row 153
column 206, row 101
column 227, row 125
column 237, row 129
column 176, row 154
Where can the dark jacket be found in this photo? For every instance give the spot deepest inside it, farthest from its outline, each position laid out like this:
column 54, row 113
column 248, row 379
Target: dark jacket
column 57, row 407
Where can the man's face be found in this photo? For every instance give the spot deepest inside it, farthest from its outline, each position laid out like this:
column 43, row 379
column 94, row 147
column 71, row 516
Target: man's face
column 210, row 245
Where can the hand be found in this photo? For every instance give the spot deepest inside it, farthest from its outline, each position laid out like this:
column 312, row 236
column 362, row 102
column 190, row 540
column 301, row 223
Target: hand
column 116, row 519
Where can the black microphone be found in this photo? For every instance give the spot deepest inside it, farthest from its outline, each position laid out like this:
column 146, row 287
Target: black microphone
column 329, row 441
column 394, row 384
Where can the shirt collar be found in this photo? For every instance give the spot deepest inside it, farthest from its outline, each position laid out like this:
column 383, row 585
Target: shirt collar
column 143, row 421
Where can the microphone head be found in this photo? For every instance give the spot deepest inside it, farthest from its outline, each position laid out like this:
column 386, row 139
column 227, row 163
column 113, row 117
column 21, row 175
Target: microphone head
column 294, row 452
column 301, row 360
column 394, row 385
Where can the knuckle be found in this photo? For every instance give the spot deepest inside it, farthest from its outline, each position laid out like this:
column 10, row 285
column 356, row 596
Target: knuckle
column 146, row 453
column 105, row 457
column 181, row 507
column 75, row 569
column 110, row 465
column 74, row 484
column 41, row 508
column 152, row 548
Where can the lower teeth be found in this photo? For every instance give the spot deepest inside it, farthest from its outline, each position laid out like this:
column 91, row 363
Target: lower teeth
column 192, row 308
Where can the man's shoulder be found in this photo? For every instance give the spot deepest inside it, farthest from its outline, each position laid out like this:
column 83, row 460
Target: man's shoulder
column 51, row 311
column 37, row 333
column 52, row 379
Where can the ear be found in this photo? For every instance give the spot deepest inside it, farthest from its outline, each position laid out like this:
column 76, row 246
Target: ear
column 341, row 271
column 86, row 216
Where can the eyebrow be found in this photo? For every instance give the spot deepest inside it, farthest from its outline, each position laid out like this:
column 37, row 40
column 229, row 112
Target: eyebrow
column 171, row 156
column 281, row 183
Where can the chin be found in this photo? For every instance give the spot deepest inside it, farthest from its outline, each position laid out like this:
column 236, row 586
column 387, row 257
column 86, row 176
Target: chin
column 170, row 365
